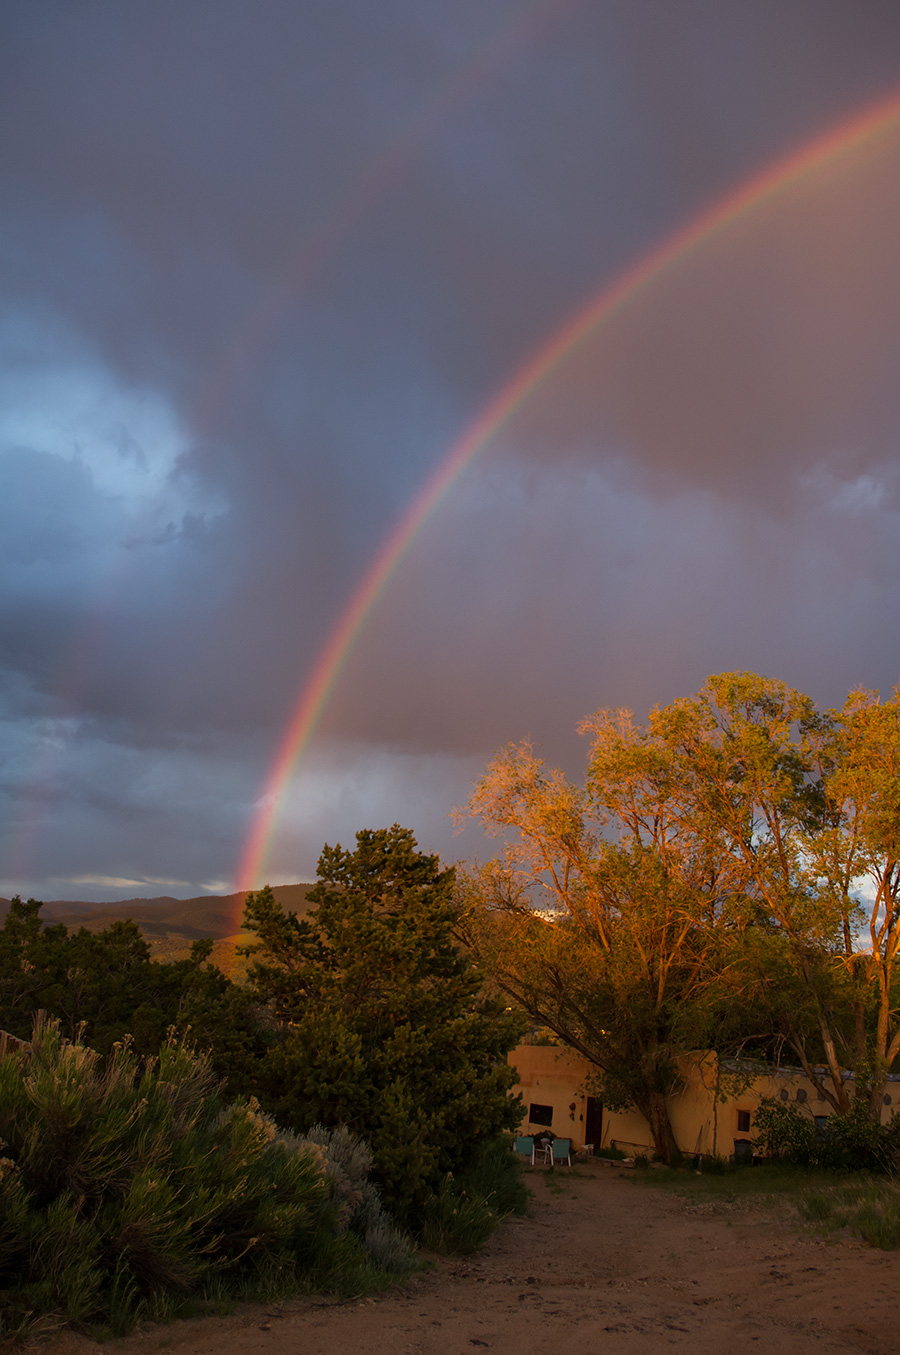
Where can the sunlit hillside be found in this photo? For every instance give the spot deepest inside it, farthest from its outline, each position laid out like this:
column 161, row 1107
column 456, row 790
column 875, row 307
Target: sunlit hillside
column 172, row 925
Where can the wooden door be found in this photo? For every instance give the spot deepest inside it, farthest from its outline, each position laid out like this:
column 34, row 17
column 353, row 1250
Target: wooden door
column 593, row 1121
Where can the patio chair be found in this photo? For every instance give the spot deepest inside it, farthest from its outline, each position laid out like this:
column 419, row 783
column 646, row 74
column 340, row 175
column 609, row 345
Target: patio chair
column 560, row 1151
column 525, row 1146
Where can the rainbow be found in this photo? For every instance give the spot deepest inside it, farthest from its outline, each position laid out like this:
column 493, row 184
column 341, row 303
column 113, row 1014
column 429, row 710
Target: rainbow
column 753, row 193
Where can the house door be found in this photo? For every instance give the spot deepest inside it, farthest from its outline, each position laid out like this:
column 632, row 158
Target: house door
column 593, row 1121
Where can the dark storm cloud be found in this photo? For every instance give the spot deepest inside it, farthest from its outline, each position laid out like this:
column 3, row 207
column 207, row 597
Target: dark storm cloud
column 769, row 350
column 580, row 584
column 225, row 371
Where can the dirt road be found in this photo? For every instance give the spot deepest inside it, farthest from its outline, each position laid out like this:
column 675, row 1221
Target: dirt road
column 603, row 1265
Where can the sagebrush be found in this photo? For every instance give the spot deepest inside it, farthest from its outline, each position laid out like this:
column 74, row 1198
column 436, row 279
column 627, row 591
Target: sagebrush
column 128, row 1185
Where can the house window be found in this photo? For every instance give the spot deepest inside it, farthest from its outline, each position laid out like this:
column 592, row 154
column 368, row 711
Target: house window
column 801, row 1095
column 743, row 1121
column 540, row 1114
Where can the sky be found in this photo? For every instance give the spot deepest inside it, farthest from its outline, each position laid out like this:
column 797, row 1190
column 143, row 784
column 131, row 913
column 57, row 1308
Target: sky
column 264, row 265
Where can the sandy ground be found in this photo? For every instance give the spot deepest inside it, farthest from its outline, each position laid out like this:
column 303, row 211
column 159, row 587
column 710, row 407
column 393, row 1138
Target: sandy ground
column 603, row 1265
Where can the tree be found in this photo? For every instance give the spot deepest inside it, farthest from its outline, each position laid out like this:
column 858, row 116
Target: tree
column 854, row 858
column 804, row 809
column 101, row 986
column 737, row 859
column 383, row 1027
column 602, row 920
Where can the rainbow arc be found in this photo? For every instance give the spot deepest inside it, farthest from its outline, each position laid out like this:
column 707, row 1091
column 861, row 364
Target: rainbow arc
column 824, row 152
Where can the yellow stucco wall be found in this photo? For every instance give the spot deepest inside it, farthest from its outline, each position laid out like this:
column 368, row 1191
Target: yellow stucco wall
column 550, row 1075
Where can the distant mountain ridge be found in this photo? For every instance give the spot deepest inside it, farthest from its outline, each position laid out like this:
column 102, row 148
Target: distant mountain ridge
column 215, row 915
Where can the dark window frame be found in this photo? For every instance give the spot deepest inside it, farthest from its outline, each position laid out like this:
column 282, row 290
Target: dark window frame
column 542, row 1115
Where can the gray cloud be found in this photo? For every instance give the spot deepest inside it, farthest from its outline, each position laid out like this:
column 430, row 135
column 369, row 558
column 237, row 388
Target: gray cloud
column 584, row 585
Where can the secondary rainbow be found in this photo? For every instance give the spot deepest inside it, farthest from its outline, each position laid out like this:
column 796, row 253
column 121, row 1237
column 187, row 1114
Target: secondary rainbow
column 323, row 243
column 823, row 150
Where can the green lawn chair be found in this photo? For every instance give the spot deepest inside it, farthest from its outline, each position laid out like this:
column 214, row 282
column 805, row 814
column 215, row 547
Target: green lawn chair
column 561, row 1151
column 525, row 1145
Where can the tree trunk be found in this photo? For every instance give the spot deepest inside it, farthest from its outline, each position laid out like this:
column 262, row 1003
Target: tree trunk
column 835, row 1093
column 656, row 1112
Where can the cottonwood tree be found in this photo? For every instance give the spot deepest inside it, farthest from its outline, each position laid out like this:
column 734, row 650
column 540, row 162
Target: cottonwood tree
column 730, row 870
column 854, row 857
column 602, row 917
column 383, row 1026
column 806, row 805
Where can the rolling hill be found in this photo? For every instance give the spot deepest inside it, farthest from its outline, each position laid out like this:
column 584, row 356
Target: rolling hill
column 171, row 925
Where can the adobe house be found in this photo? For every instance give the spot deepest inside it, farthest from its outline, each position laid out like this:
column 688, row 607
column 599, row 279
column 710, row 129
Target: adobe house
column 554, row 1083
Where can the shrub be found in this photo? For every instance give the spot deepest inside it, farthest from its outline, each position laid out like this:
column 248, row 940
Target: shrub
column 463, row 1212
column 347, row 1162
column 817, row 1206
column 127, row 1186
column 784, row 1132
column 713, row 1164
column 496, row 1175
column 851, row 1142
column 867, row 1206
column 879, row 1224
column 856, row 1141
column 455, row 1221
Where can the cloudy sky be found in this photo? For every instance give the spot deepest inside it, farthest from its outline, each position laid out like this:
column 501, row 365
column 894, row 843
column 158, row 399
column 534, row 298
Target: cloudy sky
column 263, row 263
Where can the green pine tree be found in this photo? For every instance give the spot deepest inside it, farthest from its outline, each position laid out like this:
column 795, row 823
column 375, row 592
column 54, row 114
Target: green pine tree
column 383, row 1024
